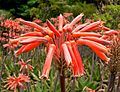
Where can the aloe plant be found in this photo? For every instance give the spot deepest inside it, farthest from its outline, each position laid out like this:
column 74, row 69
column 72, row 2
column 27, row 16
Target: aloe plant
column 62, row 41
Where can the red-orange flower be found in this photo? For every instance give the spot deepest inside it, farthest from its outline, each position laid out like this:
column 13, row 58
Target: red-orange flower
column 62, row 41
column 15, row 82
column 46, row 67
column 25, row 65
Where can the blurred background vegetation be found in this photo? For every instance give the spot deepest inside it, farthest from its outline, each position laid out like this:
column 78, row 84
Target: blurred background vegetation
column 107, row 10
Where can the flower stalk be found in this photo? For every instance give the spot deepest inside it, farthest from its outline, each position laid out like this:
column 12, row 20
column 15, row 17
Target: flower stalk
column 62, row 81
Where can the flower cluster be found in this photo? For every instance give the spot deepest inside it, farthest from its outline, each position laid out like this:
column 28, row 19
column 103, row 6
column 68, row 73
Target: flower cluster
column 11, row 29
column 11, row 24
column 62, row 42
column 25, row 65
column 14, row 82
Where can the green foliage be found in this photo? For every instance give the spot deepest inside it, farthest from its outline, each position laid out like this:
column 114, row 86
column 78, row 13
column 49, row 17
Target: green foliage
column 53, row 9
column 23, row 9
column 77, row 8
column 47, row 10
column 42, row 9
column 111, row 15
column 5, row 14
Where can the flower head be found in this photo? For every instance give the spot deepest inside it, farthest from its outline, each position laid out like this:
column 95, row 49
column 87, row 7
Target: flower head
column 25, row 65
column 63, row 39
column 15, row 82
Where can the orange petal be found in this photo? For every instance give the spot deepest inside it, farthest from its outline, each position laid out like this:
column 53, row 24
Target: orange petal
column 111, row 32
column 32, row 24
column 46, row 67
column 79, row 34
column 52, row 28
column 78, row 58
column 49, row 32
column 97, row 49
column 19, row 51
column 93, row 44
column 79, row 27
column 96, row 39
column 74, row 66
column 104, row 37
column 101, row 55
column 105, row 28
column 97, row 28
column 65, row 28
column 30, row 46
column 60, row 22
column 27, row 48
column 67, row 56
column 77, row 19
column 15, row 41
column 33, row 34
column 33, row 39
column 92, row 25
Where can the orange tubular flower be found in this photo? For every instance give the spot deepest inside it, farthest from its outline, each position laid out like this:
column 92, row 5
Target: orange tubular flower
column 93, row 44
column 78, row 57
column 26, row 48
column 32, row 24
column 33, row 39
column 46, row 67
column 79, row 34
column 101, row 55
column 33, row 34
column 96, row 47
column 90, row 26
column 77, row 19
column 67, row 55
column 111, row 32
column 62, row 41
column 75, row 67
column 99, row 40
column 105, row 28
column 60, row 27
column 79, row 27
column 52, row 28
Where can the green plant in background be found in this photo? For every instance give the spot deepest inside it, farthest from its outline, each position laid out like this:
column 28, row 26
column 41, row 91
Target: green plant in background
column 5, row 14
column 23, row 8
column 111, row 15
column 53, row 8
column 48, row 9
column 44, row 9
column 76, row 8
